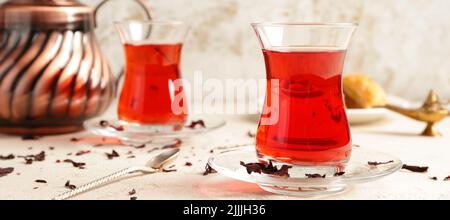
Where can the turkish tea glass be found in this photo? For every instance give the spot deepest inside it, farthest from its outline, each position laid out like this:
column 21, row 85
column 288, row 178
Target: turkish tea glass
column 304, row 122
column 152, row 92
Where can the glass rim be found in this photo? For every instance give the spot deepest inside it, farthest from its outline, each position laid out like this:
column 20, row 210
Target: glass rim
column 149, row 22
column 307, row 24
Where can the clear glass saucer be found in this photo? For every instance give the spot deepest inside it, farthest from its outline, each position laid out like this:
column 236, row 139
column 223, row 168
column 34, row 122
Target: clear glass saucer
column 357, row 171
column 138, row 133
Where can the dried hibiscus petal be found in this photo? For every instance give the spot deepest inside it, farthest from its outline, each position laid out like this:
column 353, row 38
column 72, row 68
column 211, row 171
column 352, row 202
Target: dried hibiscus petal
column 112, row 155
column 31, row 158
column 82, row 152
column 8, row 157
column 69, row 185
column 177, row 144
column 107, row 124
column 79, row 165
column 208, row 170
column 415, row 169
column 339, row 174
column 194, row 124
column 169, row 170
column 379, row 163
column 269, row 169
column 315, row 176
column 6, row 171
column 75, row 139
column 40, row 156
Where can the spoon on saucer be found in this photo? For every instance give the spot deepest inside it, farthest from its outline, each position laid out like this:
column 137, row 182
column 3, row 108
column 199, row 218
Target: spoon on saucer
column 155, row 165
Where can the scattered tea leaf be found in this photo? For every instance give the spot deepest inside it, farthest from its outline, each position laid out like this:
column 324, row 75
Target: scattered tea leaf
column 133, row 198
column 269, row 169
column 251, row 134
column 194, row 124
column 132, row 192
column 112, row 155
column 379, row 163
column 106, row 124
column 69, row 185
column 434, row 178
column 40, row 156
column 177, row 144
column 415, row 169
column 82, row 152
column 139, row 146
column 8, row 157
column 169, row 170
column 6, row 171
column 29, row 159
column 75, row 139
column 339, row 174
column 208, row 170
column 315, row 176
column 40, row 181
column 78, row 165
column 447, row 178
column 188, row 164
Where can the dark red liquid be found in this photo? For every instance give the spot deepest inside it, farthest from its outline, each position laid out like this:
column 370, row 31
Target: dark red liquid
column 312, row 126
column 148, row 92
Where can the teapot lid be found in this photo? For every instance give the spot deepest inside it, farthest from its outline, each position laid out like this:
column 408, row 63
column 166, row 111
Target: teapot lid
column 46, row 14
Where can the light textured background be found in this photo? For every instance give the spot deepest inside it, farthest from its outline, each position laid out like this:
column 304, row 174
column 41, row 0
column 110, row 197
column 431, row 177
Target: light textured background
column 403, row 44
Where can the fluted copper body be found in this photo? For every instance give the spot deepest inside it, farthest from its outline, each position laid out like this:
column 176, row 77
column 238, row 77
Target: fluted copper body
column 52, row 77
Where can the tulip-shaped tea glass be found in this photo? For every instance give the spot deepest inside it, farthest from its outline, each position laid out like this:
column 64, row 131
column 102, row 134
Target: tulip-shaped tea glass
column 152, row 92
column 304, row 123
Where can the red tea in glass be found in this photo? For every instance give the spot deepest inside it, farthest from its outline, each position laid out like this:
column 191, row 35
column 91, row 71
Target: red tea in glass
column 152, row 92
column 312, row 125
column 148, row 92
column 309, row 126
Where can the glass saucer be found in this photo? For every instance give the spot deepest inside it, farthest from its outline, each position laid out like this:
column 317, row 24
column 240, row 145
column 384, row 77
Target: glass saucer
column 357, row 171
column 139, row 134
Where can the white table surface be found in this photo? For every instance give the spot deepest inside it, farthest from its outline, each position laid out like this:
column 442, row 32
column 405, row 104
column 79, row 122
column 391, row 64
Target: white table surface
column 396, row 135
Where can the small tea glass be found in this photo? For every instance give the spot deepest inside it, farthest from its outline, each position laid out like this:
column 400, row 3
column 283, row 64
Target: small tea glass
column 152, row 92
column 304, row 122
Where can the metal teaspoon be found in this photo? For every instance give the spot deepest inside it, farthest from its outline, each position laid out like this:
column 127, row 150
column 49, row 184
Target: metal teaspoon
column 156, row 164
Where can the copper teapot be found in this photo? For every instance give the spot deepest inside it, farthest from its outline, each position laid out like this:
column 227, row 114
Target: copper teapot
column 53, row 75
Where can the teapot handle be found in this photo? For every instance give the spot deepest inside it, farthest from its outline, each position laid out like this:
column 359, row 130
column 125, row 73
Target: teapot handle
column 142, row 3
column 148, row 13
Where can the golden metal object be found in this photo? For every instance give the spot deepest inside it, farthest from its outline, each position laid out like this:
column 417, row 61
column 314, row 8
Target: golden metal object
column 431, row 112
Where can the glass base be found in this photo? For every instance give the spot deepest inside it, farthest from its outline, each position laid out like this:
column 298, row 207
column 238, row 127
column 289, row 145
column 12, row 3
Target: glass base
column 322, row 180
column 305, row 192
column 143, row 133
column 302, row 170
